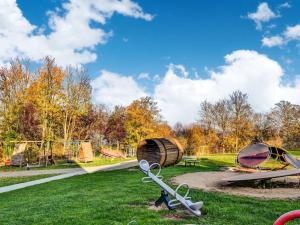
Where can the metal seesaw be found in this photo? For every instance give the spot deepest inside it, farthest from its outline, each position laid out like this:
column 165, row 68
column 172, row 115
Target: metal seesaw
column 193, row 207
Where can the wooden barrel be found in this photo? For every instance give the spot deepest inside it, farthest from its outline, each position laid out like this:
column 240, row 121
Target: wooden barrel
column 165, row 151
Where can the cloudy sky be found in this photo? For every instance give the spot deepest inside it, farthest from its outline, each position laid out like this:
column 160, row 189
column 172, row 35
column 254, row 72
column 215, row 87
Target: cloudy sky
column 178, row 52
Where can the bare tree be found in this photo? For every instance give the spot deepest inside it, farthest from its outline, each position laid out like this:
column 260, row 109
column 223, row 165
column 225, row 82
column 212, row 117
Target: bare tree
column 221, row 118
column 206, row 115
column 241, row 113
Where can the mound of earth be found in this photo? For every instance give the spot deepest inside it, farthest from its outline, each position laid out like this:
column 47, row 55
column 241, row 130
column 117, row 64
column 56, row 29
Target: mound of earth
column 279, row 188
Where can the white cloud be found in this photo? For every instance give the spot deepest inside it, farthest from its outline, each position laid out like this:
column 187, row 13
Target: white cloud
column 262, row 14
column 179, row 96
column 180, row 68
column 272, row 26
column 156, row 78
column 272, row 41
column 285, row 5
column 144, row 76
column 292, row 32
column 114, row 89
column 253, row 73
column 72, row 39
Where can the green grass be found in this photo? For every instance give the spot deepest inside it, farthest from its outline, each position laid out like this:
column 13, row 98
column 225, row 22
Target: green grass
column 118, row 197
column 61, row 164
column 16, row 180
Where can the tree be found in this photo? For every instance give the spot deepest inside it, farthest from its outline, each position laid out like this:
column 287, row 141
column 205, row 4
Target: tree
column 195, row 139
column 263, row 128
column 241, row 113
column 30, row 126
column 221, row 119
column 285, row 119
column 163, row 130
column 206, row 115
column 142, row 118
column 76, row 101
column 46, row 93
column 92, row 124
column 14, row 82
column 179, row 129
column 116, row 131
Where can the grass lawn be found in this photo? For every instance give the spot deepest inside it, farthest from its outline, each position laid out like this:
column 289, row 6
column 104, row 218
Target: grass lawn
column 16, row 180
column 118, row 197
column 61, row 164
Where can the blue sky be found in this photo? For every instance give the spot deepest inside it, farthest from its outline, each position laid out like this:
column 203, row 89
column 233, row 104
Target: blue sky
column 195, row 33
column 152, row 45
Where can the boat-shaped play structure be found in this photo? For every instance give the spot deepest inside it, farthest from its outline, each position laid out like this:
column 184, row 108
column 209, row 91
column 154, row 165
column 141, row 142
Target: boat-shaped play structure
column 253, row 155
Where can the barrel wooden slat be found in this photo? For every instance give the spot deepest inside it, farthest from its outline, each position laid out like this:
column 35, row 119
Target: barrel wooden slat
column 160, row 150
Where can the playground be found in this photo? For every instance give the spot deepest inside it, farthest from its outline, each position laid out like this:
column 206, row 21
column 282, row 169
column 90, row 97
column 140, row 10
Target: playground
column 131, row 112
column 119, row 197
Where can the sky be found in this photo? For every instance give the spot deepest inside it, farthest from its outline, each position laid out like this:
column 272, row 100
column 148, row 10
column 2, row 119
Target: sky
column 178, row 52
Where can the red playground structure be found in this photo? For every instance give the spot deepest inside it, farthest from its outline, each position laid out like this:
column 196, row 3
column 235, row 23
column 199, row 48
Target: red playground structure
column 287, row 217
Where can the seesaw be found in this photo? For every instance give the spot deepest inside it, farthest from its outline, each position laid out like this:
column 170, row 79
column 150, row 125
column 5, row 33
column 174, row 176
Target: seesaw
column 194, row 208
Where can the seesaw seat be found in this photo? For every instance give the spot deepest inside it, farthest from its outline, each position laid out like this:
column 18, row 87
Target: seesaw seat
column 193, row 207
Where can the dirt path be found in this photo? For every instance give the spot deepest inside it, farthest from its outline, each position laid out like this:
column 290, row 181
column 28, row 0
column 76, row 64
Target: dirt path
column 210, row 181
column 68, row 173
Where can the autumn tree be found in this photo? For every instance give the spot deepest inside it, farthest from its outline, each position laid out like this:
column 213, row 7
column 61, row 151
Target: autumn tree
column 142, row 117
column 162, row 129
column 76, row 100
column 14, row 80
column 46, row 93
column 195, row 139
column 29, row 128
column 92, row 124
column 116, row 129
column 285, row 119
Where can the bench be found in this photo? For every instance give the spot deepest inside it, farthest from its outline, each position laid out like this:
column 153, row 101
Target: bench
column 189, row 161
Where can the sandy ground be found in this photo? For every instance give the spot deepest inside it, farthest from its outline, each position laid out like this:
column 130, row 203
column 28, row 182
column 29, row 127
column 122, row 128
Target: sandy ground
column 287, row 188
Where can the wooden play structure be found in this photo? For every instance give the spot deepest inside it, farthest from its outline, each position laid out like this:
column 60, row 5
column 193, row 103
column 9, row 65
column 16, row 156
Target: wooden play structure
column 86, row 152
column 106, row 153
column 164, row 151
column 18, row 156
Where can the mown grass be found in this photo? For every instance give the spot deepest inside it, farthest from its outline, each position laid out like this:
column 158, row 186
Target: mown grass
column 118, row 197
column 61, row 164
column 5, row 181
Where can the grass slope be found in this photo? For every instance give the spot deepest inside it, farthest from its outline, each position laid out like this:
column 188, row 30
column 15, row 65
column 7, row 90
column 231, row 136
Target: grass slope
column 118, row 197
